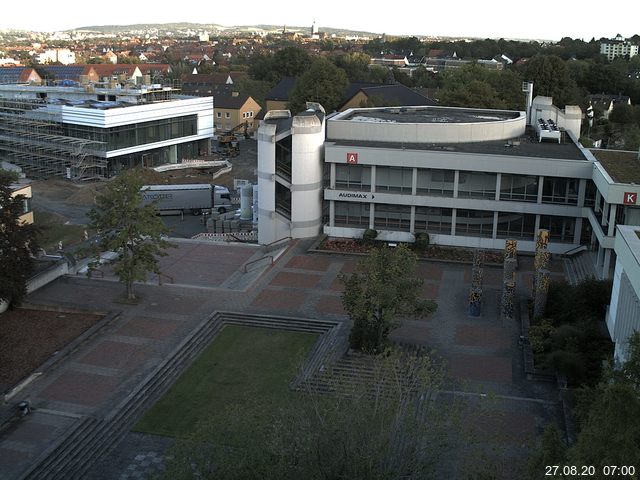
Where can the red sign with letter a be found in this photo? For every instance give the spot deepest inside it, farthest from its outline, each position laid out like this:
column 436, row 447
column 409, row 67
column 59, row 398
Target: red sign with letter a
column 630, row 198
column 352, row 158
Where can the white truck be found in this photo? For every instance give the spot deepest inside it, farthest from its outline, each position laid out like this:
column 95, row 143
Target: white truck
column 195, row 198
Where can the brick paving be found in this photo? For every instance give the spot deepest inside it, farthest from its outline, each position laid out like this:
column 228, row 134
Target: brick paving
column 80, row 387
column 482, row 335
column 481, row 368
column 481, row 351
column 154, row 328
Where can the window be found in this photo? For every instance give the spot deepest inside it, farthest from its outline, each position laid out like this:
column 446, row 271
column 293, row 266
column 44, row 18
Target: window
column 433, row 220
column 474, row 223
column 560, row 228
column 251, row 113
column 477, row 185
column 219, row 114
column 392, row 217
column 516, row 225
column 394, row 179
column 227, row 115
column 351, row 214
column 353, row 177
column 521, row 188
column 435, row 182
column 560, row 190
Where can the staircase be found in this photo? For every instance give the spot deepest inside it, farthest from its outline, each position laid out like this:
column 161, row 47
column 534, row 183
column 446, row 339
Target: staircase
column 90, row 438
column 578, row 267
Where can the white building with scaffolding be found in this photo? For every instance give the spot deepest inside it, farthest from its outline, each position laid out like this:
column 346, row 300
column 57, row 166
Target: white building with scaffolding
column 87, row 131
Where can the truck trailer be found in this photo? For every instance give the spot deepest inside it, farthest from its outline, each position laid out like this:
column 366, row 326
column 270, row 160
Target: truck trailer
column 194, row 198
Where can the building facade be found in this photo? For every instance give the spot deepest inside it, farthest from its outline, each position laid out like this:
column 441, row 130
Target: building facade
column 235, row 109
column 86, row 131
column 618, row 47
column 467, row 177
column 623, row 314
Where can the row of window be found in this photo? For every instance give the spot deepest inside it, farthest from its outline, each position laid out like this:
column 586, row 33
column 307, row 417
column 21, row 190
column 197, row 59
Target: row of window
column 474, row 223
column 131, row 135
column 523, row 188
column 248, row 114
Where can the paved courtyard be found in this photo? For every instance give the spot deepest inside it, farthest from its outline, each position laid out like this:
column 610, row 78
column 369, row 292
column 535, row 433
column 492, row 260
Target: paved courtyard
column 482, row 353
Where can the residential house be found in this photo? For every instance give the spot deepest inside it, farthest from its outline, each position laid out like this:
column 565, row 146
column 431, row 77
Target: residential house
column 278, row 96
column 605, row 103
column 13, row 75
column 375, row 95
column 232, row 110
column 74, row 73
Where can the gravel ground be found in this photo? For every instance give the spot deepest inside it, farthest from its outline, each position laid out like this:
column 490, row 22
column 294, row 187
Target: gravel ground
column 30, row 337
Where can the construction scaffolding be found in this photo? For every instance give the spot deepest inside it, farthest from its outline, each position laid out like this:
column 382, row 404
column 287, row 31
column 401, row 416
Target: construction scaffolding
column 33, row 136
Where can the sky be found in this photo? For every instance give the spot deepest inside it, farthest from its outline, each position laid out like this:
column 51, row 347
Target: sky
column 546, row 19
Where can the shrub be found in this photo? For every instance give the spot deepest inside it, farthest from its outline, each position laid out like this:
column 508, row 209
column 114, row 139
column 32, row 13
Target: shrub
column 369, row 235
column 422, row 241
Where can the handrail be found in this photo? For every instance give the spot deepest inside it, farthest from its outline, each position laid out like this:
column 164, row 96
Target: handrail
column 241, row 240
column 257, row 260
column 270, row 246
column 579, row 248
column 276, row 241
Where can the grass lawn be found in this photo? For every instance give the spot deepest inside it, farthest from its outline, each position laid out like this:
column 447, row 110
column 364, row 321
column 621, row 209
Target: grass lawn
column 241, row 364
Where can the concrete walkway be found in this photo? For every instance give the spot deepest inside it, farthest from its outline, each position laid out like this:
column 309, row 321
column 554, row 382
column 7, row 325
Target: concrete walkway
column 482, row 353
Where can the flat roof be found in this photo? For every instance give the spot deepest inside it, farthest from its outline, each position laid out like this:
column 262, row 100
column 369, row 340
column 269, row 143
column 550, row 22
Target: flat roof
column 525, row 146
column 622, row 167
column 427, row 114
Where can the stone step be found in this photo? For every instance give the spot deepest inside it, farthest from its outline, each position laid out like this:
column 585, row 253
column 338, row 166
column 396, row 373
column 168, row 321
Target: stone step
column 79, row 452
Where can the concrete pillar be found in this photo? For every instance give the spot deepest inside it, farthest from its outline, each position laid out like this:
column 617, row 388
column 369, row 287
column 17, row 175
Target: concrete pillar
column 613, row 208
column 332, row 176
column 596, row 207
column 582, row 192
column 332, row 213
column 412, row 219
column 577, row 233
column 373, row 179
column 494, row 232
column 456, row 180
column 372, row 213
column 606, row 266
column 173, row 154
column 605, row 214
column 453, row 221
column 540, row 187
column 498, row 183
column 414, row 183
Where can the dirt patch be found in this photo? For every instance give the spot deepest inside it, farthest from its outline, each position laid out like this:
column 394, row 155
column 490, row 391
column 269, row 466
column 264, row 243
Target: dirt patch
column 30, row 337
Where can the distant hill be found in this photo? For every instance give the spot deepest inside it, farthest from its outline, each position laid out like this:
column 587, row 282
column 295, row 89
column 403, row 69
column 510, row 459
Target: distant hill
column 216, row 28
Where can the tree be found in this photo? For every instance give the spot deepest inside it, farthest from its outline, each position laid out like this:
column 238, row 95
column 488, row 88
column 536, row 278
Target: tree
column 18, row 244
column 610, row 431
column 323, row 82
column 551, row 78
column 384, row 425
column 383, row 288
column 132, row 230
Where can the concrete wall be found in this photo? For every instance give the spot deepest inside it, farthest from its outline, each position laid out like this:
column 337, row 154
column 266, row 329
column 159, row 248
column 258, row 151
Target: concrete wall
column 623, row 316
column 306, row 176
column 340, row 128
column 570, row 118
